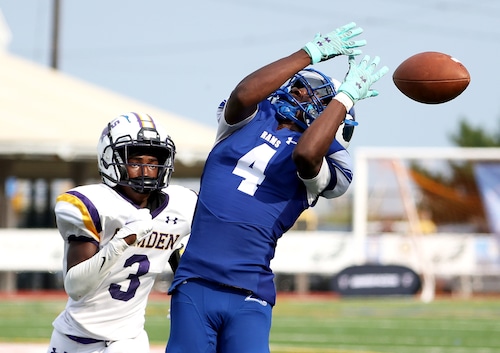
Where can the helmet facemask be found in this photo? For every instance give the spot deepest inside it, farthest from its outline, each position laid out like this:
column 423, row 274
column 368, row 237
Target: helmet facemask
column 320, row 90
column 144, row 184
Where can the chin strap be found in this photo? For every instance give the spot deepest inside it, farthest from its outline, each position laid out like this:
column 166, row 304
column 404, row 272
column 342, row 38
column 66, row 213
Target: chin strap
column 351, row 122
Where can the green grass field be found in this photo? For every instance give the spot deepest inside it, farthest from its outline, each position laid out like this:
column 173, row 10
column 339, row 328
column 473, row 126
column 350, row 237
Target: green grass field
column 318, row 324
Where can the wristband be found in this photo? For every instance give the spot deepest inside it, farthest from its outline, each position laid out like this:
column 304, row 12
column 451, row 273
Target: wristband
column 313, row 51
column 345, row 100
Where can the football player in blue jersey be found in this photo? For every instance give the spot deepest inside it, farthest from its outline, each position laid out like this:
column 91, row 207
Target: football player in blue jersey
column 275, row 154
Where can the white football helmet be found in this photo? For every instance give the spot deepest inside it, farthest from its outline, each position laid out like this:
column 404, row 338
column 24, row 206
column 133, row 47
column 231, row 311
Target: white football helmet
column 129, row 134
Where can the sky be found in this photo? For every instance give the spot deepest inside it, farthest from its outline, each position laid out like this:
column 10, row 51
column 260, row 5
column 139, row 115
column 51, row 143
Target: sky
column 186, row 56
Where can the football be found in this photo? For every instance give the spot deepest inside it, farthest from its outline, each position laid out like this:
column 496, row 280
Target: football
column 431, row 77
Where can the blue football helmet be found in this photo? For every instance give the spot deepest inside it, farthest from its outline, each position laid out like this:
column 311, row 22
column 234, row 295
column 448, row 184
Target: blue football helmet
column 321, row 89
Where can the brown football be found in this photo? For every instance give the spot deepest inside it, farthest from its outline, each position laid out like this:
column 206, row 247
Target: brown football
column 431, row 77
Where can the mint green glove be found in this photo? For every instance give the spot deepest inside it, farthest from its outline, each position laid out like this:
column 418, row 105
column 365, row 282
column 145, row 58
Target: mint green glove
column 338, row 42
column 359, row 79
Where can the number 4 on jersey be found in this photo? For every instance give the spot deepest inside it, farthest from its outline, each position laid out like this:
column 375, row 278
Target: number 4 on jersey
column 251, row 168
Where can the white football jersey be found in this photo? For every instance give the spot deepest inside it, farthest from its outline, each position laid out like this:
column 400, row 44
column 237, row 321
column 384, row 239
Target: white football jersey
column 116, row 309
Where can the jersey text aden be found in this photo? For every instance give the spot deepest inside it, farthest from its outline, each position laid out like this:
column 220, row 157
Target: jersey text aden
column 160, row 241
column 273, row 140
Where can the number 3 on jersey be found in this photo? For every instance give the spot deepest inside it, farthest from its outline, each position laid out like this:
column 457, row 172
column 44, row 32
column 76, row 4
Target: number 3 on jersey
column 251, row 168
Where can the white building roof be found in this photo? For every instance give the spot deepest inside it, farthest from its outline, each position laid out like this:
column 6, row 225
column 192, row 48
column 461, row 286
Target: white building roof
column 46, row 112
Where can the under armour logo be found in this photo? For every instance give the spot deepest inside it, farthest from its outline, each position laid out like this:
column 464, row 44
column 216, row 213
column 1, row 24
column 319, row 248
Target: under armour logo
column 173, row 220
column 363, row 79
column 290, row 140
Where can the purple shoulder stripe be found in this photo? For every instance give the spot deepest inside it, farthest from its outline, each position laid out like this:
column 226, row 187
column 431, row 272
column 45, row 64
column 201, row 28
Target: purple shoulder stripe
column 94, row 214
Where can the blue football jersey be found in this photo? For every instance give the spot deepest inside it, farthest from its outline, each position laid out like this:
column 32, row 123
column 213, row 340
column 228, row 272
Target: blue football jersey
column 250, row 195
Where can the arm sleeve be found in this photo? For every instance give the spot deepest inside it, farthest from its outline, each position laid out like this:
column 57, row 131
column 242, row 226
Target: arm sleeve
column 85, row 277
column 223, row 128
column 333, row 179
column 340, row 165
column 317, row 184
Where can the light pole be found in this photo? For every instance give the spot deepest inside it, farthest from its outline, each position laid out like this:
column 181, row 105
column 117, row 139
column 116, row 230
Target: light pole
column 54, row 61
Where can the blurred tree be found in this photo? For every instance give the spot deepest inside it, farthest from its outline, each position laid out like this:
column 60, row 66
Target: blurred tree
column 469, row 136
column 452, row 197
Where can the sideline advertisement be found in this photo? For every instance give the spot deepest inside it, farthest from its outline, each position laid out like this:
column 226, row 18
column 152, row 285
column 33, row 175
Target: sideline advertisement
column 319, row 252
column 370, row 280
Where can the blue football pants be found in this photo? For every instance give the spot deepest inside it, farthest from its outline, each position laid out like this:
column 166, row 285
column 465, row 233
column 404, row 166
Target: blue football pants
column 208, row 317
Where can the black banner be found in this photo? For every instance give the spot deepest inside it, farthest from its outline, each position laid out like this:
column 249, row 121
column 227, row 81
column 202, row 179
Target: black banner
column 370, row 280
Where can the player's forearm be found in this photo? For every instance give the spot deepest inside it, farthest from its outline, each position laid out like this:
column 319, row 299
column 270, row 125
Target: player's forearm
column 315, row 141
column 83, row 278
column 261, row 83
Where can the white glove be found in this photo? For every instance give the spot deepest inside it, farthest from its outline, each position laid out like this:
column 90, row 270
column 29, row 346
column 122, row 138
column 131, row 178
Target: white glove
column 139, row 223
column 84, row 278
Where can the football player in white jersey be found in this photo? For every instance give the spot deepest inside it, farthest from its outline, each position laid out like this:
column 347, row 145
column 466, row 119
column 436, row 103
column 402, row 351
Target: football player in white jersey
column 118, row 236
